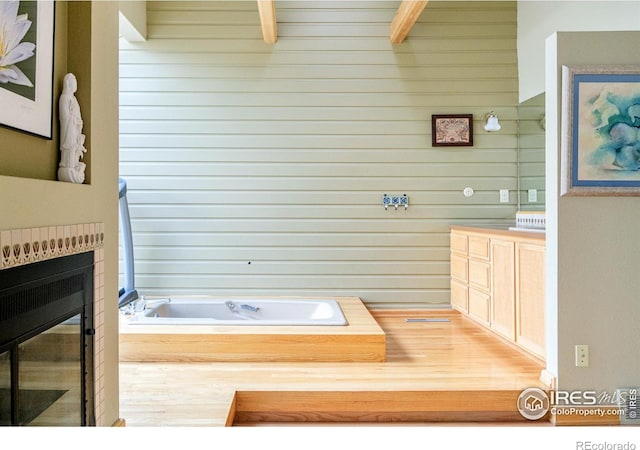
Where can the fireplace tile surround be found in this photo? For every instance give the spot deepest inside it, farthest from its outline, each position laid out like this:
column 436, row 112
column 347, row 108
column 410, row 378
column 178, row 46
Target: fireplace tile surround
column 29, row 245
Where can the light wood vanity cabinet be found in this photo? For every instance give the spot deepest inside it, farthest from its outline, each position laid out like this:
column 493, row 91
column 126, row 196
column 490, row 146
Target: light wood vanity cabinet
column 497, row 279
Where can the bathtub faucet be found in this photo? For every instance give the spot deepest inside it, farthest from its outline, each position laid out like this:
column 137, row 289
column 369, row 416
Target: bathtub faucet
column 234, row 308
column 250, row 308
column 142, row 304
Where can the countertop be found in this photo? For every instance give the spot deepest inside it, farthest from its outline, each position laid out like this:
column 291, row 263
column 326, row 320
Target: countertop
column 502, row 230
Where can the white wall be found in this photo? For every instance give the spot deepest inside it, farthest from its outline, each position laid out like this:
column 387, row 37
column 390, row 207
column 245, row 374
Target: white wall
column 236, row 151
column 593, row 250
column 537, row 20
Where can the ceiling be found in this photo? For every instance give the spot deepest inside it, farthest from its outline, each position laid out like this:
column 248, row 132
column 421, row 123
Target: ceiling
column 406, row 16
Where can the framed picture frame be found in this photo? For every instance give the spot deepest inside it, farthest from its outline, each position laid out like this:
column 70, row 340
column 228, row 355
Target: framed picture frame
column 26, row 83
column 452, row 130
column 600, row 147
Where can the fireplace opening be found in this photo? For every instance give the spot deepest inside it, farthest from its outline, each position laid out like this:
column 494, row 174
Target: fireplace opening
column 46, row 343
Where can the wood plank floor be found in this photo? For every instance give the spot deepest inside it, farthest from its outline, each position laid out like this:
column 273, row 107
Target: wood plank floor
column 456, row 370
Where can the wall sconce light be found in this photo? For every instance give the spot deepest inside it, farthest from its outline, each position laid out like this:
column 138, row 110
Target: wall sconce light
column 543, row 121
column 491, row 122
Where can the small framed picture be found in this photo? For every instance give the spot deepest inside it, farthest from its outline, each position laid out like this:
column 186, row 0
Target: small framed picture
column 600, row 131
column 452, row 130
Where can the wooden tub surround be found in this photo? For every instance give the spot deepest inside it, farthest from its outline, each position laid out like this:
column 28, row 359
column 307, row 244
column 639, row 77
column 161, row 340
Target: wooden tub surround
column 362, row 340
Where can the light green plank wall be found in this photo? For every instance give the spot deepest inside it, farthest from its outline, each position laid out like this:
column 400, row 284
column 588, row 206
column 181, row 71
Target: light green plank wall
column 258, row 169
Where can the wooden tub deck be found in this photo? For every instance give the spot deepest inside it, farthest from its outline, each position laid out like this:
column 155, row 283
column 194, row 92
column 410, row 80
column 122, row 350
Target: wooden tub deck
column 362, row 340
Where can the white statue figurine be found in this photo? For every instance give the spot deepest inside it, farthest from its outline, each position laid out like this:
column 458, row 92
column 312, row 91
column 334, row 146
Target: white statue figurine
column 71, row 138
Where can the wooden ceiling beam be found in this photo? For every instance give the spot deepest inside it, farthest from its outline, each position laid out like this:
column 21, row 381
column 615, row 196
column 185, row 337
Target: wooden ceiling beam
column 267, row 11
column 405, row 19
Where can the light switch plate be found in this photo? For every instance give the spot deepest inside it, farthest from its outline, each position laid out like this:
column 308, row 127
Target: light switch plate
column 532, row 195
column 504, row 195
column 582, row 355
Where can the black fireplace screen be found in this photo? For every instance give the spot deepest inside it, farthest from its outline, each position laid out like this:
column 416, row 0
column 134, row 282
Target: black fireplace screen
column 46, row 343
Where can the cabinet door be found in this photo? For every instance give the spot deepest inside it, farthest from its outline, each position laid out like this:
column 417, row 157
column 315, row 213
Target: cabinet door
column 479, row 305
column 459, row 268
column 503, row 304
column 480, row 274
column 459, row 296
column 530, row 297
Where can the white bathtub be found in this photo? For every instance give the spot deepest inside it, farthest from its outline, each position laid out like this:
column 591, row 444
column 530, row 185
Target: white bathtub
column 246, row 311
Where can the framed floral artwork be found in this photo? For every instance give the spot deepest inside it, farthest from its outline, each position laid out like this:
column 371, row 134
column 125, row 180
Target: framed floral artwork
column 451, row 130
column 26, row 65
column 600, row 154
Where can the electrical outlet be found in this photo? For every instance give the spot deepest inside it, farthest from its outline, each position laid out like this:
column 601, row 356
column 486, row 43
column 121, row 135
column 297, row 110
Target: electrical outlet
column 532, row 195
column 582, row 355
column 504, row 195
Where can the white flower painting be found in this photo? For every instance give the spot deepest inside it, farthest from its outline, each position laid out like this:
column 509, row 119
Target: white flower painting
column 13, row 28
column 27, row 36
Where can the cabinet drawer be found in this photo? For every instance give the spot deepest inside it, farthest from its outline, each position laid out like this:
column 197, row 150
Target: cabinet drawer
column 459, row 243
column 459, row 268
column 479, row 305
column 479, row 247
column 480, row 274
column 459, row 296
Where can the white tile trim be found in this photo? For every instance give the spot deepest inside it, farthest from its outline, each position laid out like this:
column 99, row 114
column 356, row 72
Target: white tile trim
column 28, row 245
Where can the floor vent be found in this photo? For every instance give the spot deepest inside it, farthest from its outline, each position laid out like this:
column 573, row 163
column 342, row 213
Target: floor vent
column 629, row 402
